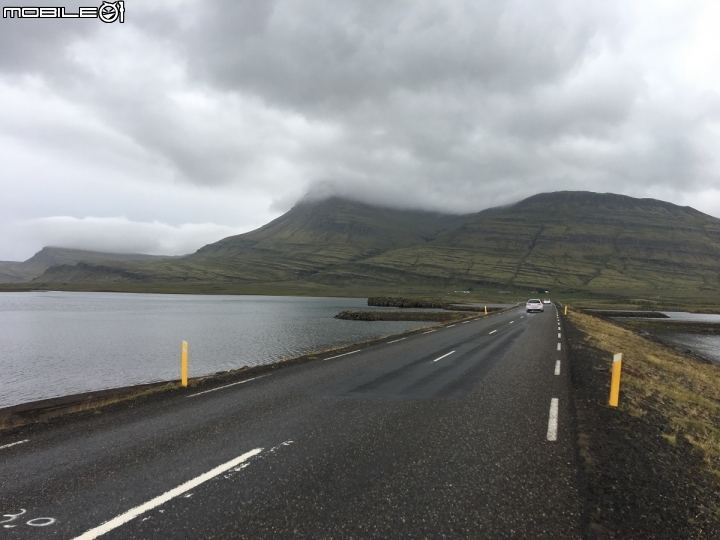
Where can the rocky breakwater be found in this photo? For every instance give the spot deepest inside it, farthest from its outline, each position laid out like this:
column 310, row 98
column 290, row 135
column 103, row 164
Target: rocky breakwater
column 401, row 302
column 434, row 316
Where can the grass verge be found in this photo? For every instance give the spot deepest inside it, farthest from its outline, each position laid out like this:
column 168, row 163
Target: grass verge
column 685, row 392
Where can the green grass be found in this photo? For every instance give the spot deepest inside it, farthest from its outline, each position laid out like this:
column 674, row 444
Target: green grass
column 685, row 392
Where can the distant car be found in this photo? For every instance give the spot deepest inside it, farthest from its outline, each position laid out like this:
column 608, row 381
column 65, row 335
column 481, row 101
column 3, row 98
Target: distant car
column 534, row 304
column 546, row 301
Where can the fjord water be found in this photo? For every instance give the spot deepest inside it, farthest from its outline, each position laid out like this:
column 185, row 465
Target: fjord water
column 60, row 343
column 706, row 345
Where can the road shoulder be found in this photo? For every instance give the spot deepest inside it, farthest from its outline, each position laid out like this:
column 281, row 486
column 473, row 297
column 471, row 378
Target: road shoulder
column 638, row 484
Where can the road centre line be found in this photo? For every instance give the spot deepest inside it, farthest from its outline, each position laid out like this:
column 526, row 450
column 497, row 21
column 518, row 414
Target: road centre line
column 396, row 340
column 443, row 356
column 165, row 497
column 559, row 335
column 557, row 367
column 13, row 444
column 492, row 332
column 429, row 332
column 553, row 420
column 343, row 354
column 558, row 346
column 226, row 386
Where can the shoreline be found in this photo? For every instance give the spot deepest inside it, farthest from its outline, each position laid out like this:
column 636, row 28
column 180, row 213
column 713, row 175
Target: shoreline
column 33, row 412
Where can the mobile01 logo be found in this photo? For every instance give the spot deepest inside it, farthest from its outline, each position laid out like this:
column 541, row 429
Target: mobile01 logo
column 108, row 12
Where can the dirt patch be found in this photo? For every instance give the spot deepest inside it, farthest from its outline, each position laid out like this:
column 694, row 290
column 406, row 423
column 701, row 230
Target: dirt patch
column 646, row 475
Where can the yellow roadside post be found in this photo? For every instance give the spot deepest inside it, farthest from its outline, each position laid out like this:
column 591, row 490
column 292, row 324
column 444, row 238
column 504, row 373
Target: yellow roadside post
column 565, row 310
column 485, row 310
column 615, row 384
column 184, row 364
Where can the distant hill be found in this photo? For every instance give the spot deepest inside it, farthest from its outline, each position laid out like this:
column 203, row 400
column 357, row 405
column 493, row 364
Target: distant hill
column 564, row 241
column 310, row 238
column 18, row 272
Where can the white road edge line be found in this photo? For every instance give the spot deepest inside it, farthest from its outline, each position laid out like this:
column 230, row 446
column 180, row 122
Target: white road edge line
column 512, row 322
column 429, row 332
column 343, row 354
column 492, row 332
column 226, row 386
column 464, row 322
column 165, row 497
column 557, row 367
column 396, row 340
column 559, row 347
column 553, row 420
column 13, row 444
column 443, row 356
column 450, row 326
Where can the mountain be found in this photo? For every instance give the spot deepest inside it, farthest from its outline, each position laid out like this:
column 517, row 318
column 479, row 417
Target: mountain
column 17, row 272
column 565, row 241
column 311, row 237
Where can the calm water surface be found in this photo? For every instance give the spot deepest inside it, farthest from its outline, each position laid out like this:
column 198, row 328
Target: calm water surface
column 60, row 343
column 707, row 345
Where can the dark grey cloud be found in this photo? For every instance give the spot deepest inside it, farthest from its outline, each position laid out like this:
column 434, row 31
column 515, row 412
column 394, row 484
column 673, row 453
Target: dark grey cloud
column 327, row 55
column 442, row 105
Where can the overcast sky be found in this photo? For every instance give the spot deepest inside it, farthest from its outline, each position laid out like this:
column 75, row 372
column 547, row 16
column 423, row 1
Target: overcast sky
column 195, row 120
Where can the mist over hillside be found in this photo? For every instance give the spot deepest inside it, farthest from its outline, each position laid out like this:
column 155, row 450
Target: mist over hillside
column 562, row 240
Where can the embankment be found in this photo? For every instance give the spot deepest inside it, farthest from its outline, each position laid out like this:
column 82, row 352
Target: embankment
column 652, row 465
column 37, row 412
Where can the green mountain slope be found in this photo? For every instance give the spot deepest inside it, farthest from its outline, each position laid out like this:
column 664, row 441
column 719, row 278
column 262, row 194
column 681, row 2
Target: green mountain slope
column 311, row 237
column 564, row 241
column 17, row 272
column 577, row 240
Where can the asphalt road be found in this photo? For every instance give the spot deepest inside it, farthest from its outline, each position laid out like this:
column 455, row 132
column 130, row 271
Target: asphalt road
column 447, row 434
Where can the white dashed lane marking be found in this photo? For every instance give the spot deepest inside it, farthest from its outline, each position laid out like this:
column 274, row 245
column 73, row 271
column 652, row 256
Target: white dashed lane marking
column 553, row 420
column 493, row 332
column 444, row 356
column 429, row 332
column 557, row 367
column 396, row 340
column 559, row 347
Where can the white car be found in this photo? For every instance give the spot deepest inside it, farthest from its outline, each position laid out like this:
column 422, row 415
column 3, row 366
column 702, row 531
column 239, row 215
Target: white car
column 534, row 304
column 546, row 301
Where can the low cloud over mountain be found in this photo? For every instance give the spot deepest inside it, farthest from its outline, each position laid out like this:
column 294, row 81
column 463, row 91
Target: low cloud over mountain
column 228, row 112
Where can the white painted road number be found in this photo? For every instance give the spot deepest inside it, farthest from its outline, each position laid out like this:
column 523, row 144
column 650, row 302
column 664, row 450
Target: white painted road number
column 35, row 522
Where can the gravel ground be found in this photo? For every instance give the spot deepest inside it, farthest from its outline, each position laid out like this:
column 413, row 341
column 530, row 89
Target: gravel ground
column 638, row 485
